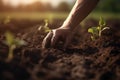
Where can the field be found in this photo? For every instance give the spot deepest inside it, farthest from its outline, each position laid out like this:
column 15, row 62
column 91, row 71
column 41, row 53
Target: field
column 34, row 15
column 85, row 60
column 53, row 15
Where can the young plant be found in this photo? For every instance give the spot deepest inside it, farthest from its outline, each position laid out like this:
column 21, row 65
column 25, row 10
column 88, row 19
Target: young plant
column 12, row 43
column 97, row 31
column 44, row 28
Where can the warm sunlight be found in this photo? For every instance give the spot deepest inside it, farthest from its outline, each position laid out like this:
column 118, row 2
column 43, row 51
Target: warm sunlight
column 24, row 2
column 14, row 2
column 17, row 2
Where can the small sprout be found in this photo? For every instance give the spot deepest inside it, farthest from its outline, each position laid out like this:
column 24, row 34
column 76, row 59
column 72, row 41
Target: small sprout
column 97, row 31
column 39, row 28
column 45, row 28
column 12, row 43
column 94, row 32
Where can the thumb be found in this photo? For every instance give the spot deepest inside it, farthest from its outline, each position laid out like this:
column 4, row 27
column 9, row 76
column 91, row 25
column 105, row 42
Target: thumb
column 47, row 40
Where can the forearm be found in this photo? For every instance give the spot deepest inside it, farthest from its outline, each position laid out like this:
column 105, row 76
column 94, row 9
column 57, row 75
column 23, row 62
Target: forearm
column 80, row 10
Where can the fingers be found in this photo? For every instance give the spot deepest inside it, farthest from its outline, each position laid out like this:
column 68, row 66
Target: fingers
column 47, row 40
column 50, row 40
column 68, row 40
column 55, row 36
column 54, row 39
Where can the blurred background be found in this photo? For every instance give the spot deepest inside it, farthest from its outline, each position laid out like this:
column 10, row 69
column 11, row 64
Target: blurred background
column 35, row 9
column 39, row 9
column 53, row 10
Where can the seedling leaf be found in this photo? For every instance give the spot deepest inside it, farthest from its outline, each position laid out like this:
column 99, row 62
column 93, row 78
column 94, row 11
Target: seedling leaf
column 90, row 30
column 12, row 43
column 101, row 21
column 9, row 38
column 19, row 42
column 45, row 28
column 93, row 30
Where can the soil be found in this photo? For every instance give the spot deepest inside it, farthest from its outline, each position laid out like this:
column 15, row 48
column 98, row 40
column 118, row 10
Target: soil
column 85, row 60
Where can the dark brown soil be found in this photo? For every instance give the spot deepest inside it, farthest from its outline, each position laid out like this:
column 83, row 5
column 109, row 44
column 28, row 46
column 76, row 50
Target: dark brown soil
column 85, row 60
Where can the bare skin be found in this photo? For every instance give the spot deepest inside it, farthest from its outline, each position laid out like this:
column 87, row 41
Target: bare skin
column 65, row 33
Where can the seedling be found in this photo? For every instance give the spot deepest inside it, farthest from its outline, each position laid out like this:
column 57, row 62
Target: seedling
column 12, row 43
column 97, row 31
column 44, row 28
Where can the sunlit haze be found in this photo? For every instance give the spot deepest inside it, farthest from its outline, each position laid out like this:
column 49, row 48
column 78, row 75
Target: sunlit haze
column 25, row 2
column 17, row 2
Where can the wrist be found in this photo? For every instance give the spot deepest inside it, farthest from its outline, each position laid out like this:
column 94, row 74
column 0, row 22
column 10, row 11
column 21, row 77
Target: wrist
column 67, row 27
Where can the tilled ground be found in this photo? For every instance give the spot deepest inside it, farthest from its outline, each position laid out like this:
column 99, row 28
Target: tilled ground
column 85, row 60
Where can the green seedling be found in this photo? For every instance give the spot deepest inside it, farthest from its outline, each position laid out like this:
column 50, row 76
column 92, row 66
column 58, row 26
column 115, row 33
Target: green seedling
column 12, row 43
column 44, row 28
column 97, row 31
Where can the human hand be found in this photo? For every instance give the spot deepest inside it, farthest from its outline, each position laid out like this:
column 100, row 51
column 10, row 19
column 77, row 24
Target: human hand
column 55, row 36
